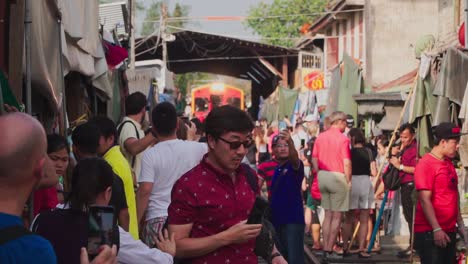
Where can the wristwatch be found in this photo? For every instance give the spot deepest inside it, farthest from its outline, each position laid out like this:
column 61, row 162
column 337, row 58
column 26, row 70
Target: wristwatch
column 274, row 255
column 401, row 167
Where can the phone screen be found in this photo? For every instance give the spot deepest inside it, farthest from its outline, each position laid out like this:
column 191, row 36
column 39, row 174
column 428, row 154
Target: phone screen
column 100, row 228
column 282, row 125
column 302, row 143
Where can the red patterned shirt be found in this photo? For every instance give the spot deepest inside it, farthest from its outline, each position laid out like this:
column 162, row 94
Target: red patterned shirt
column 207, row 198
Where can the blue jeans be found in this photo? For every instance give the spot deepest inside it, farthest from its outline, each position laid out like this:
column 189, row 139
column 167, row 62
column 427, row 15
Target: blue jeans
column 291, row 242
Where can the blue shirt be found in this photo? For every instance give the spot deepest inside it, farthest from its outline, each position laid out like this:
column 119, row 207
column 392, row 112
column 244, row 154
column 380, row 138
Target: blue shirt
column 26, row 249
column 286, row 199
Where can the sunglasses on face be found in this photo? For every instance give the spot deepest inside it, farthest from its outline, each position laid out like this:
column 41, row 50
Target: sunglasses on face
column 237, row 144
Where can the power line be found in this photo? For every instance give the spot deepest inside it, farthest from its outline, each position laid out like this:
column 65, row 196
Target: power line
column 241, row 18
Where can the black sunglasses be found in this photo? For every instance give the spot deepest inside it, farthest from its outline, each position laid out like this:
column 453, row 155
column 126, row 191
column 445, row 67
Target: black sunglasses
column 237, row 144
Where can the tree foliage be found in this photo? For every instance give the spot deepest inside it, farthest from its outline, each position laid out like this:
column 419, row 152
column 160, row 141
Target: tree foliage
column 282, row 30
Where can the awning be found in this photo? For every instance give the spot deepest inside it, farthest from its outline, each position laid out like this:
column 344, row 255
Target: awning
column 390, row 120
column 370, row 108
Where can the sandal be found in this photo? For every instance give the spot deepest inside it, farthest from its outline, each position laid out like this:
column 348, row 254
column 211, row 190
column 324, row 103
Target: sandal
column 364, row 254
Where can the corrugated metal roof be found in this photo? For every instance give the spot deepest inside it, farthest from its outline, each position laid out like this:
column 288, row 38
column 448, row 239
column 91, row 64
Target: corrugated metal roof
column 112, row 16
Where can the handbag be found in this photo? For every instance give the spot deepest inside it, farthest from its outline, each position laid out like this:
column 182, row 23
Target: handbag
column 265, row 241
column 391, row 177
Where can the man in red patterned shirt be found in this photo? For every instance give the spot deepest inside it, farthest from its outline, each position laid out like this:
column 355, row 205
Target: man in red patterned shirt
column 211, row 202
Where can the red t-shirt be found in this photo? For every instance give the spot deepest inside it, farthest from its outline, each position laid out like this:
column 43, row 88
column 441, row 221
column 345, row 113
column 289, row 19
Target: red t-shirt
column 45, row 199
column 330, row 149
column 408, row 159
column 266, row 170
column 441, row 178
column 207, row 198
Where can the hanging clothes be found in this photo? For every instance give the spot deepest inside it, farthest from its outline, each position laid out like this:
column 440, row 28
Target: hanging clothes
column 307, row 102
column 352, row 82
column 333, row 93
column 287, row 101
column 463, row 150
column 450, row 85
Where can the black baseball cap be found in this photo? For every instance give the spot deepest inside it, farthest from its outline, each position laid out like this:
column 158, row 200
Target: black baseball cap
column 447, row 130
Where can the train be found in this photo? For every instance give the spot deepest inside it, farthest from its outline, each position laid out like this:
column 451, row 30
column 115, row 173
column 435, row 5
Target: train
column 212, row 95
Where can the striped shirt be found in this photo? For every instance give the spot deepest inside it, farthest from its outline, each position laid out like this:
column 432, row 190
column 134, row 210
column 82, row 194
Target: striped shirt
column 266, row 170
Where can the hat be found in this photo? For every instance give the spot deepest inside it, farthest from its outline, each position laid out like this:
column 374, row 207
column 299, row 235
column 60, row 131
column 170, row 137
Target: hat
column 350, row 121
column 310, row 118
column 275, row 140
column 447, row 130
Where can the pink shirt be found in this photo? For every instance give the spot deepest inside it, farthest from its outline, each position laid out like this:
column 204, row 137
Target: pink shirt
column 330, row 149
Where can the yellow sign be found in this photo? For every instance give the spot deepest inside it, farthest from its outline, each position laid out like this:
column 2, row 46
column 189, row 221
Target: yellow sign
column 313, row 79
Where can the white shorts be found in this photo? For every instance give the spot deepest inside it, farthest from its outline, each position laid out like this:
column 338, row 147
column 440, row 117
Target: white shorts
column 362, row 193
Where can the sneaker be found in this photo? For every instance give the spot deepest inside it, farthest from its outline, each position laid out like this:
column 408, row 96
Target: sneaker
column 405, row 253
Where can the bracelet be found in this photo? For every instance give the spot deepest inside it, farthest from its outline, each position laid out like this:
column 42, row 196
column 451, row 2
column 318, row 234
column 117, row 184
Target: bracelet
column 274, row 255
column 437, row 229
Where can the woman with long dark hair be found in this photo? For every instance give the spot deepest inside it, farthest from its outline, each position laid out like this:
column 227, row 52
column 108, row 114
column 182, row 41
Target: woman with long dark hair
column 66, row 227
column 362, row 191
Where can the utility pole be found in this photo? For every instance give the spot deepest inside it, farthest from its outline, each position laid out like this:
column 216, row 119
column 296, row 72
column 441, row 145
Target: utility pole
column 27, row 48
column 466, row 24
column 131, row 4
column 164, row 33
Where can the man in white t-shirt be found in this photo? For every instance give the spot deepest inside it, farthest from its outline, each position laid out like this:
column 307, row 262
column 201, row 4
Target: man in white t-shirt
column 131, row 137
column 161, row 166
column 300, row 136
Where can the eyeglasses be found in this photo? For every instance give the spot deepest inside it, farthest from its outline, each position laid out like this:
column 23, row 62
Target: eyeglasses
column 237, row 144
column 282, row 145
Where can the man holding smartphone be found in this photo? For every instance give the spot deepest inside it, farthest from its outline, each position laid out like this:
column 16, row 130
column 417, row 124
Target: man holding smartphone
column 211, row 203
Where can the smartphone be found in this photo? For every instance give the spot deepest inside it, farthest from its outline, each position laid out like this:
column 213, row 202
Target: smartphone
column 258, row 211
column 101, row 223
column 302, row 143
column 282, row 125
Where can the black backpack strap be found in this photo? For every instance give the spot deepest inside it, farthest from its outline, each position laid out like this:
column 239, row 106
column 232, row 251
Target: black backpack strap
column 11, row 233
column 119, row 131
column 251, row 177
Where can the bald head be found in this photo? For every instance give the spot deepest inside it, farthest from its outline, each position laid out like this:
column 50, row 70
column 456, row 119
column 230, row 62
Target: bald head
column 22, row 149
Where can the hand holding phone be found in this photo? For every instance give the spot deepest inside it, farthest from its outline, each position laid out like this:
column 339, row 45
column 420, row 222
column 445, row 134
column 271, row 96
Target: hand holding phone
column 101, row 223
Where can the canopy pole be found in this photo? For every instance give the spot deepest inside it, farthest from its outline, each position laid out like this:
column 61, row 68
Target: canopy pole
column 27, row 47
column 466, row 24
column 379, row 174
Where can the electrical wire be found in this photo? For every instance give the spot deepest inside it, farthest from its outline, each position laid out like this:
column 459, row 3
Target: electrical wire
column 240, row 18
column 140, row 42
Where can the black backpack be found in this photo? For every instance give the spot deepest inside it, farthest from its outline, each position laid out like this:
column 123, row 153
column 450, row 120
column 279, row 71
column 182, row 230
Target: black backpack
column 265, row 241
column 391, row 177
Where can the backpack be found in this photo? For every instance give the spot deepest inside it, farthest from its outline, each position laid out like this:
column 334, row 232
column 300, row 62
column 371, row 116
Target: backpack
column 391, row 177
column 265, row 241
column 119, row 131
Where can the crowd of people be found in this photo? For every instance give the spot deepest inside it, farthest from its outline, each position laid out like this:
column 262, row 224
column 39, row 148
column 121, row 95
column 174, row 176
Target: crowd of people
column 181, row 194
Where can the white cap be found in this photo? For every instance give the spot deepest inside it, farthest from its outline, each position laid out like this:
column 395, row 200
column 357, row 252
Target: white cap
column 311, row 118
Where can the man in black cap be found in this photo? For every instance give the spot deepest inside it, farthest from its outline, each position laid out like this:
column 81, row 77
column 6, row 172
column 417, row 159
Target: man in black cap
column 438, row 210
